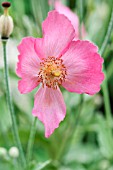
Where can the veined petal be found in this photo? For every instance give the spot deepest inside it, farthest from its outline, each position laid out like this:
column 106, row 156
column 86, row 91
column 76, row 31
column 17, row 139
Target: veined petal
column 58, row 33
column 50, row 108
column 39, row 48
column 84, row 68
column 28, row 65
column 27, row 84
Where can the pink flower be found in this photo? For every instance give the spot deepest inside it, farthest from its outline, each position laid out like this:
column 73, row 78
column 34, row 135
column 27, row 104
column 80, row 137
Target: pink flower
column 72, row 17
column 56, row 60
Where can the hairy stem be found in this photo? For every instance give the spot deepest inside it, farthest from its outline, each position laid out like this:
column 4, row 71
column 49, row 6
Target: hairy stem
column 11, row 109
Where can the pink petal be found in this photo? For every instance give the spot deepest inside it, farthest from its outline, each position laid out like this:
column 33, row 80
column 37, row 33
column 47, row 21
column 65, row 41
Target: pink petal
column 28, row 65
column 39, row 48
column 84, row 68
column 50, row 108
column 58, row 33
column 27, row 84
column 71, row 16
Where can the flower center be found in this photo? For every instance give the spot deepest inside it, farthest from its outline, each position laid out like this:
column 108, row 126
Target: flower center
column 52, row 72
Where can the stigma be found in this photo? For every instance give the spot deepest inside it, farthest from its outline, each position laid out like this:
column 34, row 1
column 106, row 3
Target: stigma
column 52, row 72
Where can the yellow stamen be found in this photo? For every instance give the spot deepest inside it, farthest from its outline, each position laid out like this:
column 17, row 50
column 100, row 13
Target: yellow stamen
column 56, row 73
column 52, row 72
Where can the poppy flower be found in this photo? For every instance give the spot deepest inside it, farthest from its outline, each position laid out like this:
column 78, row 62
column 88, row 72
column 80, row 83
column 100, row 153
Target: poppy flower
column 57, row 60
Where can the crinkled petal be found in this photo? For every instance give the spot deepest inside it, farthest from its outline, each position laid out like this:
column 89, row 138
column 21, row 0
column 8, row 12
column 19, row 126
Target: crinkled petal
column 58, row 33
column 50, row 108
column 71, row 16
column 28, row 65
column 84, row 68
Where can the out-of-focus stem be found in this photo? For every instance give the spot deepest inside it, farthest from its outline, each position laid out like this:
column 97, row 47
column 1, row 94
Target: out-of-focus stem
column 44, row 8
column 31, row 140
column 106, row 100
column 110, row 70
column 80, row 14
column 106, row 39
column 105, row 83
column 9, row 100
column 70, row 131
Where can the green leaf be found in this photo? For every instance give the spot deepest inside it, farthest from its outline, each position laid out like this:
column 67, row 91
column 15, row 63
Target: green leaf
column 82, row 153
column 41, row 166
column 104, row 138
column 72, row 167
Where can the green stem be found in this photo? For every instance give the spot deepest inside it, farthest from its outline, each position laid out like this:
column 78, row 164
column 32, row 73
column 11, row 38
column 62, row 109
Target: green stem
column 31, row 140
column 70, row 131
column 106, row 39
column 110, row 70
column 106, row 100
column 77, row 117
column 9, row 100
column 79, row 109
column 105, row 83
column 44, row 8
column 80, row 14
column 34, row 4
column 63, row 143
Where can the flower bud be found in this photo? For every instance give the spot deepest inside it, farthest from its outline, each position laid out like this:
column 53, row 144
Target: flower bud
column 14, row 152
column 6, row 22
column 3, row 152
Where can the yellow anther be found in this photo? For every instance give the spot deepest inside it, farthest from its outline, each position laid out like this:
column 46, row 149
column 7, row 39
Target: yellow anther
column 56, row 73
column 52, row 72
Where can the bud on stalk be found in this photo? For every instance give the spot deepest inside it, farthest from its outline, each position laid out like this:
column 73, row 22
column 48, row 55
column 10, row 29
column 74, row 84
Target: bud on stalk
column 6, row 22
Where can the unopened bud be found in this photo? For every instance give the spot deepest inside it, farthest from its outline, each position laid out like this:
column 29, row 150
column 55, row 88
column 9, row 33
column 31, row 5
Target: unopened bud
column 14, row 152
column 6, row 22
column 3, row 152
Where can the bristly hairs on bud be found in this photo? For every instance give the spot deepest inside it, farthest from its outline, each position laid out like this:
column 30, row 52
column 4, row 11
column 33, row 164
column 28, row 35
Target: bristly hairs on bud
column 6, row 22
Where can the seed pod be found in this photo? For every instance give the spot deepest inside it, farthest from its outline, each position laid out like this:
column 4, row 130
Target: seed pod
column 6, row 22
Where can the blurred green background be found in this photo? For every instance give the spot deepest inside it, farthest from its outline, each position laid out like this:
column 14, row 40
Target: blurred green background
column 81, row 142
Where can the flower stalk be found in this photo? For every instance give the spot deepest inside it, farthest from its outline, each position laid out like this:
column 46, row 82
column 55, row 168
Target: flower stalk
column 31, row 140
column 80, row 14
column 105, row 83
column 9, row 101
column 6, row 28
column 106, row 39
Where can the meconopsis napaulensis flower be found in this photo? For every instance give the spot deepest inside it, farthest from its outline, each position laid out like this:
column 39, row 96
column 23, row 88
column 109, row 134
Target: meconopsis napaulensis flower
column 6, row 22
